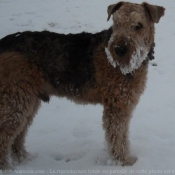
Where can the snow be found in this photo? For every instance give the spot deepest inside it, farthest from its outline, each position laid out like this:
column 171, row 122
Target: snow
column 66, row 138
column 110, row 58
column 137, row 59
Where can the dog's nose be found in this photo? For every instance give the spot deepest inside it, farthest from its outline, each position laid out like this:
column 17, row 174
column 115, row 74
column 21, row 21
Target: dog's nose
column 121, row 51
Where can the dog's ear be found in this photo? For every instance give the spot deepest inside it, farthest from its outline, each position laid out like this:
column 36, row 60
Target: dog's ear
column 112, row 8
column 155, row 12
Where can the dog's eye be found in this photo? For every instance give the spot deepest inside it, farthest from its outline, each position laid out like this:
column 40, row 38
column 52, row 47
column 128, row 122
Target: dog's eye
column 138, row 26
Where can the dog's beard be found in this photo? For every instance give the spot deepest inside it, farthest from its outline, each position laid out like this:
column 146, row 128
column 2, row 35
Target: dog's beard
column 135, row 62
column 110, row 58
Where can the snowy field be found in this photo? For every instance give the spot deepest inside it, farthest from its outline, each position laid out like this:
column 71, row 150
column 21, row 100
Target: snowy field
column 68, row 139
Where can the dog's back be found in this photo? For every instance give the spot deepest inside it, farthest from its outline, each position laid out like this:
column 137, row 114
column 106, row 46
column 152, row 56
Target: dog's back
column 67, row 59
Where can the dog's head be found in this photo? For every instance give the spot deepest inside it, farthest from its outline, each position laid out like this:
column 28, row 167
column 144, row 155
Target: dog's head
column 133, row 33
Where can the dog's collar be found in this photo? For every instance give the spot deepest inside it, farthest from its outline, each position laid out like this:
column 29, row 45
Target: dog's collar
column 151, row 53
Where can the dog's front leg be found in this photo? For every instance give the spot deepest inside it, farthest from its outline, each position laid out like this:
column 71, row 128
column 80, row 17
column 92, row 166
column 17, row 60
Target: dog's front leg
column 116, row 128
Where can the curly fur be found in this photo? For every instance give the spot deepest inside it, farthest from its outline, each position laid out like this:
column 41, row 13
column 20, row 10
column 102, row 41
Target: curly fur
column 37, row 65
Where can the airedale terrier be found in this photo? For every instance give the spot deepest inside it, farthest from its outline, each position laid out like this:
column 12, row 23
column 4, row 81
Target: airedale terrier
column 108, row 68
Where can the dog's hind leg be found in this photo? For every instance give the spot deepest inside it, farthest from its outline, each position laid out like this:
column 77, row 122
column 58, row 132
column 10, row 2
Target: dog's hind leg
column 18, row 151
column 9, row 129
column 20, row 83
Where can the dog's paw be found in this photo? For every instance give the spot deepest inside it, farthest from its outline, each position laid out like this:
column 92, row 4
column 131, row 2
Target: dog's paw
column 129, row 161
column 6, row 168
column 20, row 156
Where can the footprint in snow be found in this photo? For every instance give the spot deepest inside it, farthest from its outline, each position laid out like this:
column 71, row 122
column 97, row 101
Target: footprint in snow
column 53, row 25
column 69, row 157
column 154, row 64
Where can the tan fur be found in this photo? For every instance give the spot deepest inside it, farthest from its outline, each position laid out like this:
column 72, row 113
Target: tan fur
column 19, row 84
column 119, row 94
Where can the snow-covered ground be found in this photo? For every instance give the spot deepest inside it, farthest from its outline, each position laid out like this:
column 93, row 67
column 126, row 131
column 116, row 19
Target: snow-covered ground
column 66, row 138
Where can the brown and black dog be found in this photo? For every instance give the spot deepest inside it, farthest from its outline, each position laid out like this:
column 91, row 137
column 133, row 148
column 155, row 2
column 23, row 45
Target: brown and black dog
column 107, row 68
